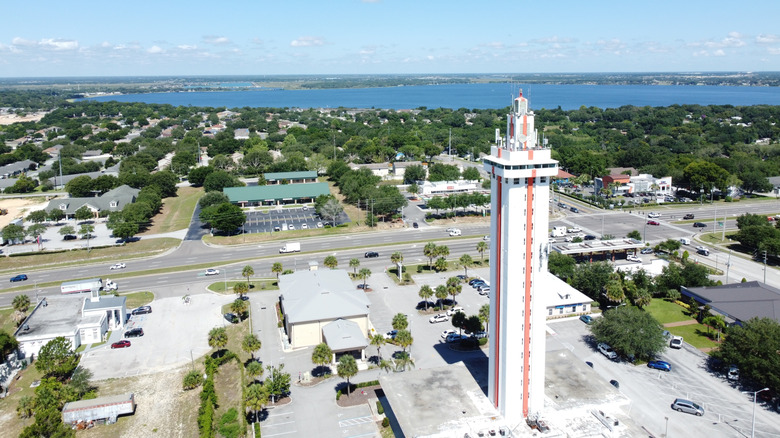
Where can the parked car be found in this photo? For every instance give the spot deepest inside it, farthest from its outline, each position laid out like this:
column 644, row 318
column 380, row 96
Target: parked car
column 676, row 342
column 212, row 271
column 121, row 344
column 142, row 310
column 20, row 277
column 615, row 383
column 485, row 289
column 646, row 251
column 134, row 333
column 688, row 216
column 319, row 224
column 118, row 266
column 687, row 406
column 371, row 254
column 391, row 334
column 653, row 215
column 446, row 333
column 364, row 286
column 455, row 337
column 660, row 365
column 474, row 280
column 305, row 226
column 479, row 335
column 733, row 373
column 633, row 258
column 70, row 237
column 606, row 350
column 574, row 230
column 291, row 227
column 589, row 237
column 453, row 310
column 587, row 319
column 232, row 318
column 414, row 225
column 699, row 225
column 438, row 318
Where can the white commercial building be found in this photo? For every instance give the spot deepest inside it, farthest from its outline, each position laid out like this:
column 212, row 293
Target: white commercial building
column 428, row 188
column 520, row 171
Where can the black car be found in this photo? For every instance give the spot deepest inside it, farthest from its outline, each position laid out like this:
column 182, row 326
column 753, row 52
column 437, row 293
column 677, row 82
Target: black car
column 20, row 277
column 688, row 216
column 699, row 225
column 142, row 310
column 589, row 237
column 574, row 210
column 232, row 318
column 414, row 225
column 134, row 333
column 371, row 254
column 69, row 237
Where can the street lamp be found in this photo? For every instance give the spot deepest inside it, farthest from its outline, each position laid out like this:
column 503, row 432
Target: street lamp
column 666, row 432
column 755, row 396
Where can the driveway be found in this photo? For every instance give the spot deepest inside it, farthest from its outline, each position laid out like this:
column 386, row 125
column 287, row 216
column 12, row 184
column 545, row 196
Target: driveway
column 174, row 334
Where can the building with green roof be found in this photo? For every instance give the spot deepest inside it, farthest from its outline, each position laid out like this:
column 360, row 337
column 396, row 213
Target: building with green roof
column 279, row 194
column 303, row 177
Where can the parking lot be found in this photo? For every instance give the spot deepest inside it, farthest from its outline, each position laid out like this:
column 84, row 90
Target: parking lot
column 297, row 218
column 174, row 333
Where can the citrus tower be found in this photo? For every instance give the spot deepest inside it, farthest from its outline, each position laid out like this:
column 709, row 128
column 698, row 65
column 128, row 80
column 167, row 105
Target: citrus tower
column 520, row 170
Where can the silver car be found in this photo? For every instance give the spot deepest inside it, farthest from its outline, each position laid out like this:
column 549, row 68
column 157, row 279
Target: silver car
column 687, row 406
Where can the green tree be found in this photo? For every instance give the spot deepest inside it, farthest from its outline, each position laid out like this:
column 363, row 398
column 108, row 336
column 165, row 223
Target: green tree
column 441, row 293
column 347, row 368
column 322, row 356
column 429, row 251
column 80, row 381
column 404, row 361
column 218, row 338
column 631, row 332
column 458, row 321
column 239, row 306
column 614, row 289
column 256, row 397
column 397, row 258
column 277, row 269
column 212, row 198
column 21, row 303
column 218, row 180
column 192, row 380
column 37, row 216
column 561, row 265
column 247, row 272
column 83, row 213
column 331, row 211
column 636, row 235
column 473, row 324
column 471, row 174
column 354, row 264
column 7, row 343
column 55, row 215
column 197, row 175
column 57, row 359
column 79, row 187
column 484, row 313
column 482, row 246
column 331, row 262
column 425, row 293
column 378, row 341
column 753, row 348
column 86, row 230
column 67, row 230
column 404, row 339
column 591, row 278
column 414, row 173
column 400, row 322
column 254, row 369
column 13, row 233
column 124, row 230
column 466, row 261
column 643, row 298
column 278, row 382
column 440, row 265
column 225, row 217
column 363, row 275
column 454, row 287
column 250, row 344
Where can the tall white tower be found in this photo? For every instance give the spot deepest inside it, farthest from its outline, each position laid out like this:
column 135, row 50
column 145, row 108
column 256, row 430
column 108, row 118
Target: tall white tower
column 520, row 170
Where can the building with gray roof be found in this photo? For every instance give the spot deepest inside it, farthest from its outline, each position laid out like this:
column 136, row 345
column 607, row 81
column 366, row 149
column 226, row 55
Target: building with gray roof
column 16, row 168
column 345, row 337
column 113, row 200
column 276, row 194
column 311, row 300
column 739, row 302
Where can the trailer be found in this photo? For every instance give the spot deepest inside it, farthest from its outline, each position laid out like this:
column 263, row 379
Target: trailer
column 72, row 287
column 98, row 409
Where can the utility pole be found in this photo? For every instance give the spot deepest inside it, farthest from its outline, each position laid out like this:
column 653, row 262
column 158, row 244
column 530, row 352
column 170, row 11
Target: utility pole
column 764, row 266
column 728, row 265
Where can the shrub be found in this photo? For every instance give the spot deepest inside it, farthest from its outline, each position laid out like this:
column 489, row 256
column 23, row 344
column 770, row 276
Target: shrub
column 192, row 380
column 379, row 408
column 367, row 384
column 338, row 394
column 228, row 424
column 385, row 422
column 482, row 341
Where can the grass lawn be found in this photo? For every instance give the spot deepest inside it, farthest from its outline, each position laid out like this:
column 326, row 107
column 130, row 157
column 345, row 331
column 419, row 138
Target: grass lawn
column 109, row 255
column 715, row 237
column 176, row 212
column 12, row 424
column 666, row 312
column 696, row 335
column 138, row 299
column 258, row 285
column 6, row 322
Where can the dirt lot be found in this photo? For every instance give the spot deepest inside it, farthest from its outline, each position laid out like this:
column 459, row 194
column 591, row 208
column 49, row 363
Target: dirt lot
column 20, row 207
column 10, row 119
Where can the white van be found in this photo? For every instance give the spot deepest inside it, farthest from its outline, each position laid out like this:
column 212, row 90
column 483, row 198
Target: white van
column 454, row 232
column 685, row 241
column 284, row 227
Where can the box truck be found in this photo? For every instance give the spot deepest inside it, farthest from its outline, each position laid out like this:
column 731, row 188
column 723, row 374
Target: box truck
column 558, row 231
column 290, row 247
column 72, row 287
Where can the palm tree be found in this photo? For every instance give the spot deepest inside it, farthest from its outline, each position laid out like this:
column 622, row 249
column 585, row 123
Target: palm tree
column 354, row 263
column 404, row 339
column 254, row 369
column 21, row 303
column 250, row 344
column 378, row 341
column 454, row 287
column 484, row 314
column 363, row 275
column 442, row 251
column 322, row 356
column 277, row 269
column 482, row 246
column 247, row 272
column 400, row 322
column 425, row 293
column 430, row 251
column 441, row 264
column 239, row 306
column 614, row 288
column 347, row 368
column 218, row 337
column 404, row 361
column 441, row 293
column 643, row 298
column 465, row 261
column 386, row 365
column 241, row 289
column 397, row 258
column 256, row 397
column 331, row 262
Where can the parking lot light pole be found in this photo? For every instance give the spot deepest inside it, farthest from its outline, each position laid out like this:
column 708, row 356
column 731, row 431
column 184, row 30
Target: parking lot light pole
column 666, row 432
column 755, row 396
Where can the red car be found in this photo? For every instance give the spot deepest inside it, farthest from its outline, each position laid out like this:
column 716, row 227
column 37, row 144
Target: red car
column 124, row 343
column 653, row 223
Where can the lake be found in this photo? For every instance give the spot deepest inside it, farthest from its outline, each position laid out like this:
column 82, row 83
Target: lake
column 471, row 96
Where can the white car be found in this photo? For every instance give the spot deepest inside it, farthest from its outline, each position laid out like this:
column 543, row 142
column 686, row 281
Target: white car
column 439, row 318
column 653, row 215
column 304, row 226
column 211, row 272
column 292, row 227
column 455, row 310
column 454, row 337
column 118, row 266
column 110, row 285
column 486, row 238
column 446, row 333
column 574, row 230
column 633, row 258
column 319, row 224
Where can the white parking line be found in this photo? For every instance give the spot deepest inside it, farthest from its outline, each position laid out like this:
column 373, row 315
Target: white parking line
column 278, row 424
column 280, row 433
column 354, row 421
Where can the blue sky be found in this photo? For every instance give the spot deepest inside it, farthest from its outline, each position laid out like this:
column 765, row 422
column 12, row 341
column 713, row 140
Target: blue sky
column 171, row 37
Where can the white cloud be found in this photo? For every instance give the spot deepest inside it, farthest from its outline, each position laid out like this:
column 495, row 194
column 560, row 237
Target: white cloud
column 774, row 50
column 767, row 39
column 187, row 47
column 105, row 44
column 155, row 49
column 719, row 52
column 307, row 41
column 217, row 40
column 17, row 41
